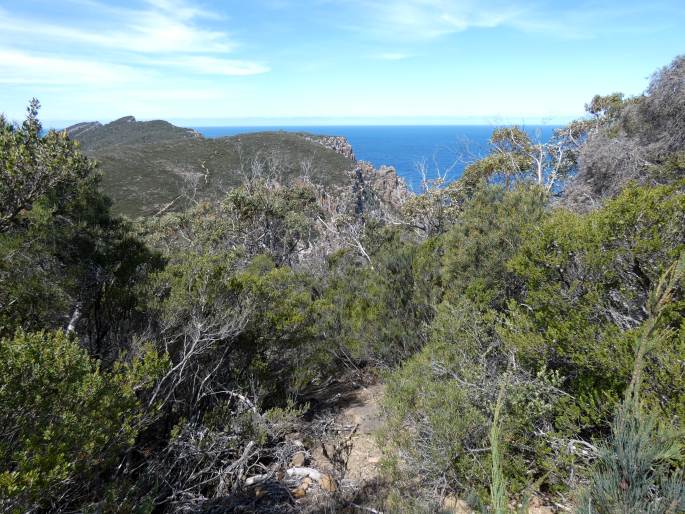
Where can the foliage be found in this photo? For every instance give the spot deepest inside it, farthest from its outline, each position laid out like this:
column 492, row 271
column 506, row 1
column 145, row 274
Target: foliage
column 484, row 237
column 629, row 139
column 64, row 260
column 378, row 313
column 440, row 405
column 260, row 217
column 575, row 288
column 32, row 166
column 498, row 491
column 586, row 280
column 156, row 365
column 633, row 472
column 514, row 157
column 64, row 420
column 608, row 106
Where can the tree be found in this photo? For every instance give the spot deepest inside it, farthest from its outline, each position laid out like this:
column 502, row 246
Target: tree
column 630, row 139
column 515, row 156
column 32, row 166
column 65, row 261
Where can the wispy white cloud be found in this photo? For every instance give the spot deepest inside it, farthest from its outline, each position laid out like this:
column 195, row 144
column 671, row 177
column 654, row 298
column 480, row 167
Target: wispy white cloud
column 181, row 9
column 426, row 19
column 214, row 66
column 429, row 19
column 148, row 31
column 162, row 33
column 19, row 67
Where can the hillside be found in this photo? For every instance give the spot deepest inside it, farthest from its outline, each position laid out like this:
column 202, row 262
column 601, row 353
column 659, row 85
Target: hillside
column 147, row 165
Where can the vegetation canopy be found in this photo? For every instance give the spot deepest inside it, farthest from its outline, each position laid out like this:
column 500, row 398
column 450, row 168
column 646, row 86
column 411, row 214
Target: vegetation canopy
column 522, row 328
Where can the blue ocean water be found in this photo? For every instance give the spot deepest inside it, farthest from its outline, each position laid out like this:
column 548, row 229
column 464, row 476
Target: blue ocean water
column 441, row 148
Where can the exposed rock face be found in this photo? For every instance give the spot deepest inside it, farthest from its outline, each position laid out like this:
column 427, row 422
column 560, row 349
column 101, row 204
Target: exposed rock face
column 384, row 182
column 338, row 144
column 390, row 186
column 369, row 192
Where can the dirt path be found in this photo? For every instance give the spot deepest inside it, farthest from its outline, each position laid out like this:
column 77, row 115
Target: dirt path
column 345, row 416
column 364, row 413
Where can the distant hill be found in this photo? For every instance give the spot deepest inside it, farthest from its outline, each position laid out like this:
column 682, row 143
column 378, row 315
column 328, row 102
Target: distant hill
column 147, row 165
column 126, row 130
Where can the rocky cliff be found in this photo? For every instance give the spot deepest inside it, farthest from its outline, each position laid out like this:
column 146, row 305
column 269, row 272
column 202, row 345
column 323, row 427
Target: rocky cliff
column 338, row 144
column 369, row 185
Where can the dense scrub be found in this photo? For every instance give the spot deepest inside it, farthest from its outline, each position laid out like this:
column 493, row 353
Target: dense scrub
column 562, row 339
column 528, row 346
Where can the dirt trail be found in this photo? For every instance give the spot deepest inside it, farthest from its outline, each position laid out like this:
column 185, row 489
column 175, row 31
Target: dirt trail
column 364, row 413
column 354, row 413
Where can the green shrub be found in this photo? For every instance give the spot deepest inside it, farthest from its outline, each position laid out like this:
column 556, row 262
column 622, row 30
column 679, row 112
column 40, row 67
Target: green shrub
column 378, row 313
column 483, row 238
column 64, row 422
column 634, row 470
column 441, row 403
column 586, row 280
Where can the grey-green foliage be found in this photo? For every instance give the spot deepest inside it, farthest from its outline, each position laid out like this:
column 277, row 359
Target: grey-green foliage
column 633, row 473
column 442, row 402
column 630, row 138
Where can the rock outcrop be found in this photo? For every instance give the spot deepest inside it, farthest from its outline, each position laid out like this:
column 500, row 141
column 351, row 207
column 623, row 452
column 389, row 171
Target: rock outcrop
column 383, row 184
column 338, row 144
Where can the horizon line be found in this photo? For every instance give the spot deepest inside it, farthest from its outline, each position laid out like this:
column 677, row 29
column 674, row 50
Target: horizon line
column 322, row 121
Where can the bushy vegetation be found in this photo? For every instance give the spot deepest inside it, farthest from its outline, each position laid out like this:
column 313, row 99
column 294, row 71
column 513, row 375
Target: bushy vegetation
column 65, row 422
column 529, row 344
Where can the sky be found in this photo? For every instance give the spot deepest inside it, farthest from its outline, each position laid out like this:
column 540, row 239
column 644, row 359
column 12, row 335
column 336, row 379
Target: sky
column 252, row 62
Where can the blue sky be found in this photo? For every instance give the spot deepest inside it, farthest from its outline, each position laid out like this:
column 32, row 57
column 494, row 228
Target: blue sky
column 327, row 61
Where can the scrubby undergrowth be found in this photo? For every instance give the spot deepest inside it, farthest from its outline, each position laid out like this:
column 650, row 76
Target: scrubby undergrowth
column 531, row 344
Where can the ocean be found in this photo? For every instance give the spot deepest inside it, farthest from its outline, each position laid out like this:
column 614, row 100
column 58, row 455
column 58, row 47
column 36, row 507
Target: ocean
column 440, row 149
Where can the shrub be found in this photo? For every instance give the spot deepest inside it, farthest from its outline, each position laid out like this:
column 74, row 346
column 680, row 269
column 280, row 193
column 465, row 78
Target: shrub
column 484, row 237
column 633, row 472
column 64, row 422
column 586, row 280
column 440, row 405
column 378, row 313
